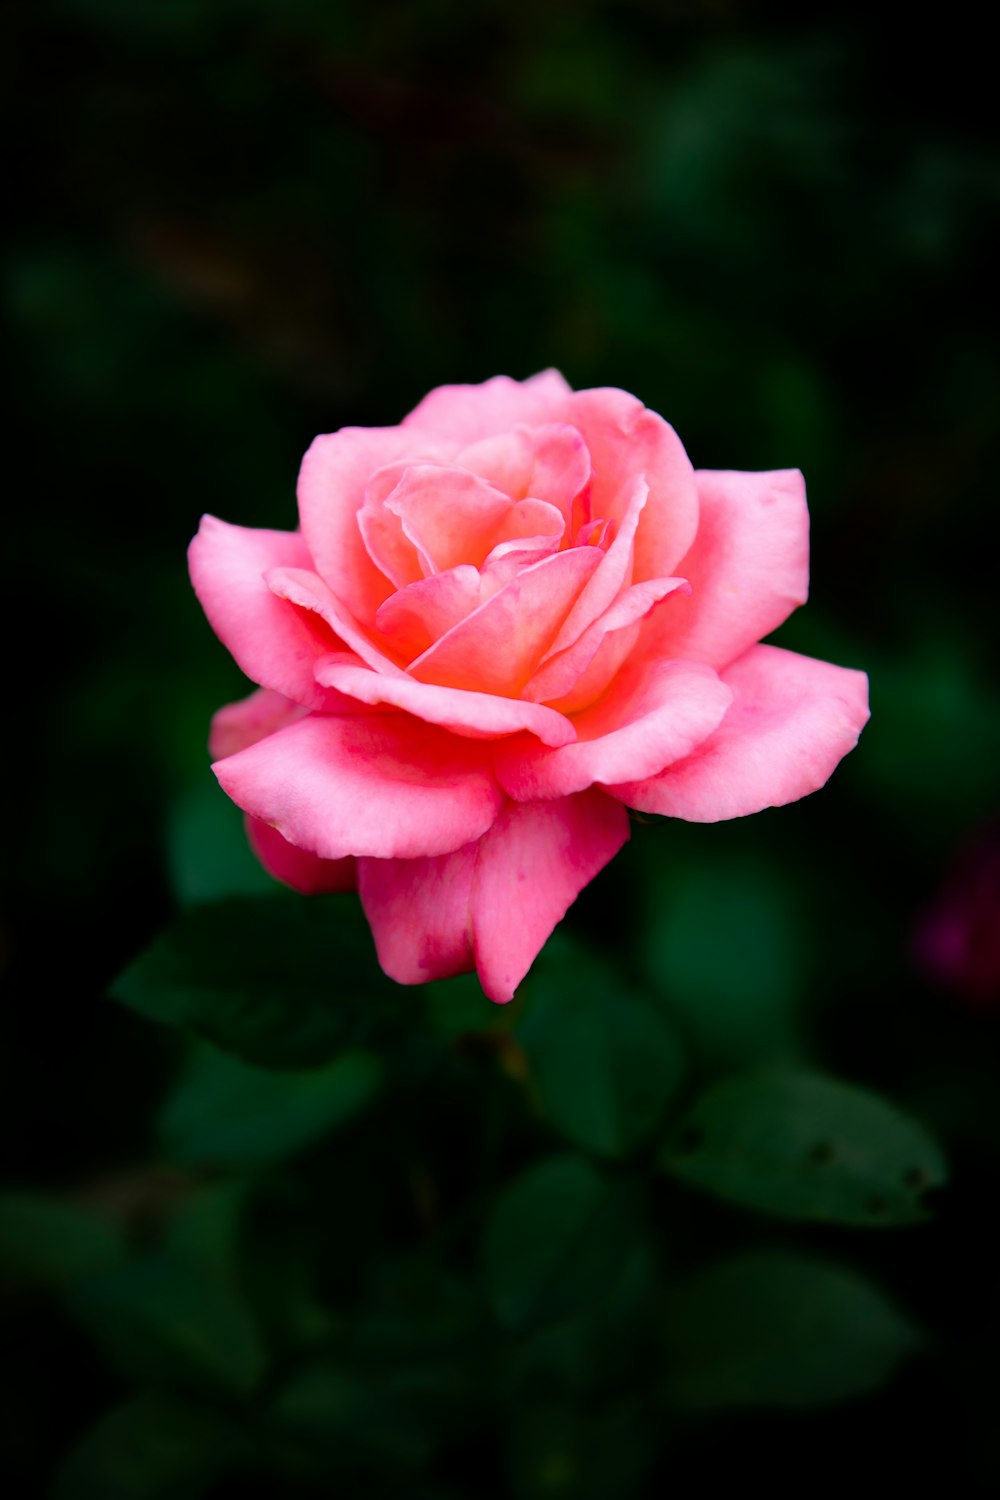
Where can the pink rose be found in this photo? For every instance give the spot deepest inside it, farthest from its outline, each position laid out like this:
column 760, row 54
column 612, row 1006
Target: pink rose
column 503, row 623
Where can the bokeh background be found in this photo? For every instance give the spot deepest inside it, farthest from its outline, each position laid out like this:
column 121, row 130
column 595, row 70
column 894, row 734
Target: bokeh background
column 238, row 223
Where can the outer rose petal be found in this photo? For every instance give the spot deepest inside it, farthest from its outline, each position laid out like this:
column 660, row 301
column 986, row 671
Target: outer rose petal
column 748, row 567
column 271, row 642
column 295, row 867
column 331, row 491
column 240, row 724
column 653, row 714
column 307, row 591
column 480, row 716
column 418, row 911
column 534, row 862
column 492, row 904
column 384, row 785
column 464, row 413
column 791, row 721
column 626, row 440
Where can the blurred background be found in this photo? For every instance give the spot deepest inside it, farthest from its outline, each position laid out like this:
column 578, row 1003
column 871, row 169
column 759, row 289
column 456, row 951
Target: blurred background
column 237, row 223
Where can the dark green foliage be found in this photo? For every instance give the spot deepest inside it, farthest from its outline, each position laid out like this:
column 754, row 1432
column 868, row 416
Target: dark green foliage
column 775, row 1329
column 161, row 1319
column 605, row 1060
column 556, row 1240
column 244, row 974
column 806, row 1147
column 157, row 1446
column 225, row 1113
column 48, row 1241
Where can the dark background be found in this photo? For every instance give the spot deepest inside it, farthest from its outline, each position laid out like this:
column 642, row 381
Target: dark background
column 238, row 224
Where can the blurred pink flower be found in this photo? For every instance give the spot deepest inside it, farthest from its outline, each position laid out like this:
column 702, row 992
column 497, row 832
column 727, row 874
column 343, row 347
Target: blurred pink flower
column 958, row 939
column 503, row 623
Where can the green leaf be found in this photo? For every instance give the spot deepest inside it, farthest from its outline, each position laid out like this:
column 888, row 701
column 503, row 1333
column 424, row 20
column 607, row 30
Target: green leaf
column 276, row 981
column 722, row 944
column 776, row 1330
column 332, row 1416
column 596, row 1347
column 225, row 1113
column 208, row 853
column 49, row 1241
column 155, row 1447
column 204, row 1232
column 458, row 1006
column 806, row 1147
column 555, row 1240
column 606, row 1061
column 160, row 1319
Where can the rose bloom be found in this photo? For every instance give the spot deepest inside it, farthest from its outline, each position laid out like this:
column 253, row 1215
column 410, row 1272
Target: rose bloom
column 502, row 624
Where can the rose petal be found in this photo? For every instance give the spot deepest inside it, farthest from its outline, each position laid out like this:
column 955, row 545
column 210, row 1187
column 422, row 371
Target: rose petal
column 530, row 520
column 559, row 673
column 625, row 439
column 532, row 865
column 389, row 548
column 417, row 615
column 653, row 714
column 477, row 715
column 612, row 576
column 378, row 784
column 295, row 867
column 450, row 515
column 237, row 725
column 507, row 559
column 791, row 721
column 307, row 592
column 271, row 642
column 748, row 567
column 465, row 413
column 496, row 648
column 551, row 463
column 331, row 491
column 418, row 911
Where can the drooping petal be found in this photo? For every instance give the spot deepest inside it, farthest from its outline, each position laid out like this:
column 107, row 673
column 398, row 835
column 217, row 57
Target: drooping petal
column 271, row 642
column 237, row 725
column 532, row 865
column 331, row 490
column 550, row 463
column 465, row 413
column 748, row 567
column 561, row 671
column 417, row 615
column 652, row 715
column 791, row 721
column 418, row 911
column 450, row 515
column 309, row 594
column 625, row 439
column 496, row 648
column 295, row 867
column 477, row 715
column 379, row 784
